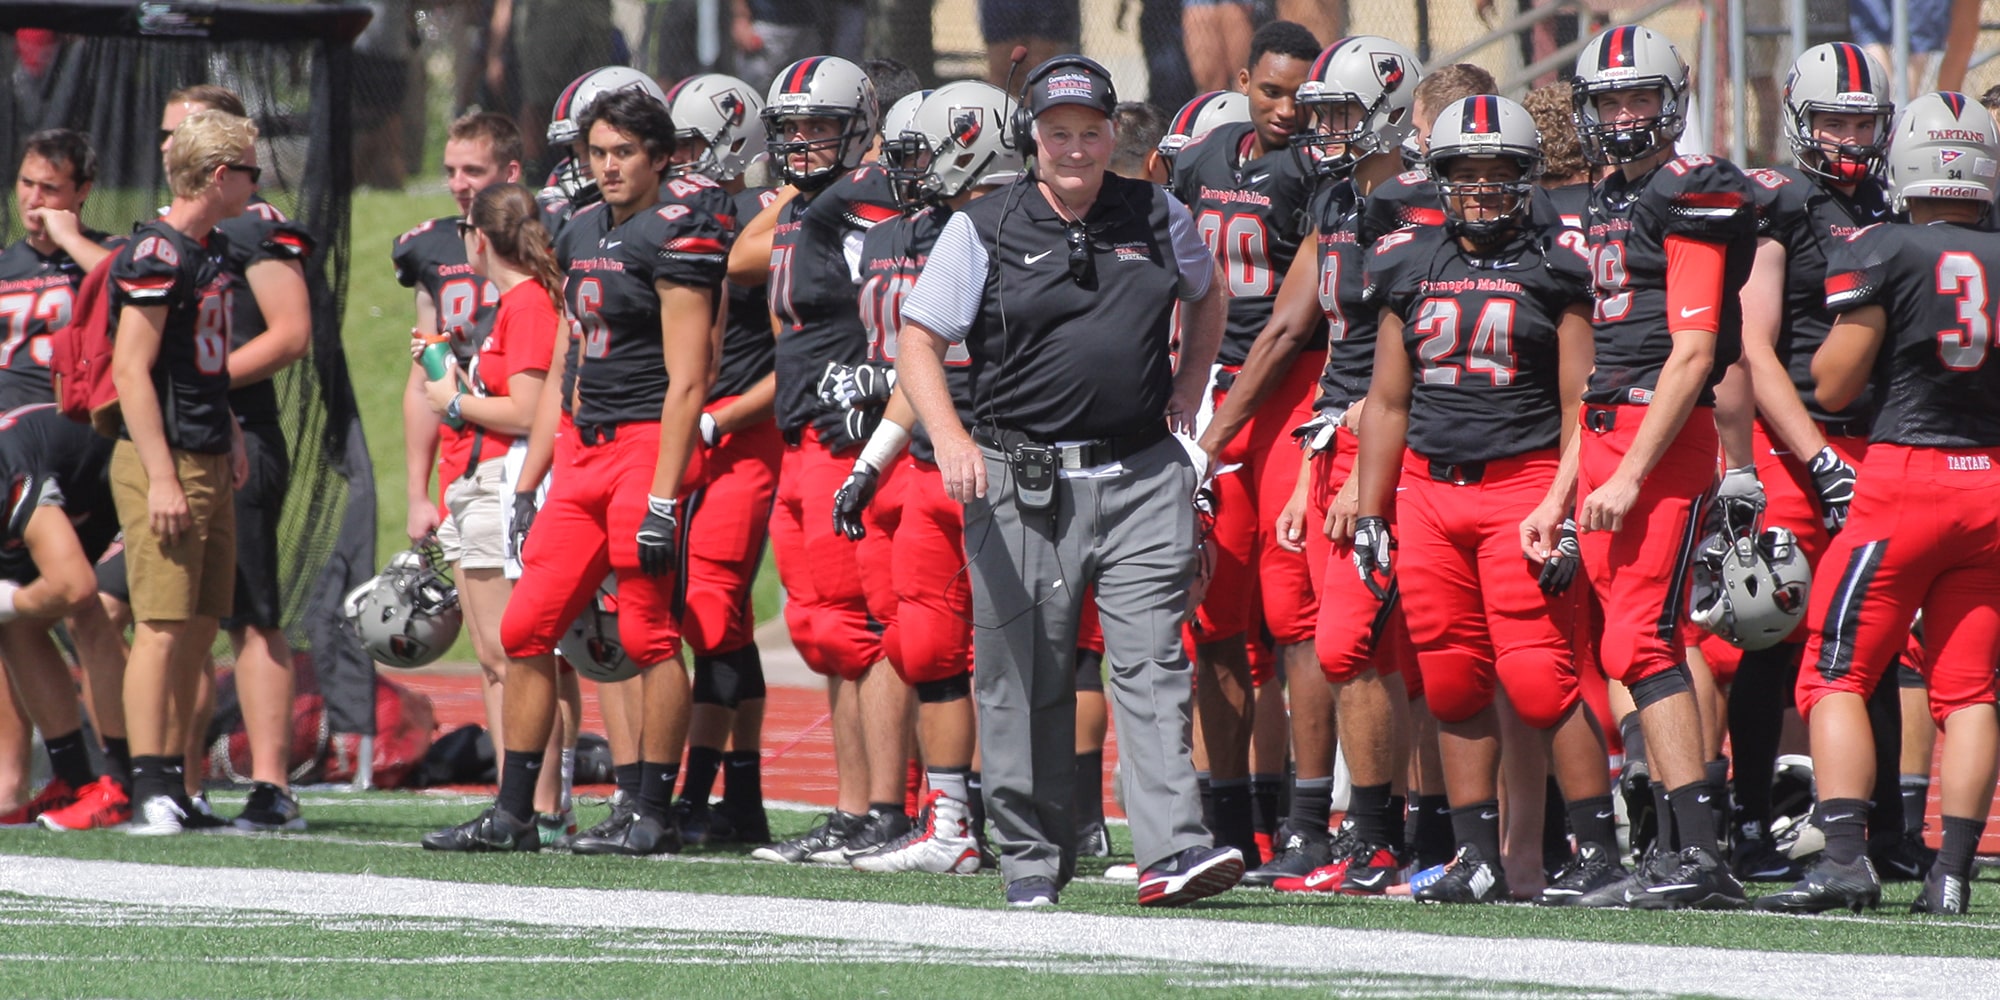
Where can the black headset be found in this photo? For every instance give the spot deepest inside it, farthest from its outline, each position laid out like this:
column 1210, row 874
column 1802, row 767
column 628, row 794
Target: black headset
column 1024, row 119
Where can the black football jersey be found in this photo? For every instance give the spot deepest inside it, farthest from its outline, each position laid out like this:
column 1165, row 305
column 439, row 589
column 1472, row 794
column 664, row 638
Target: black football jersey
column 892, row 256
column 1253, row 214
column 1571, row 203
column 815, row 252
column 160, row 267
column 1481, row 331
column 1350, row 321
column 261, row 233
column 573, row 243
column 1407, row 199
column 37, row 298
column 1808, row 217
column 1935, row 383
column 1697, row 197
column 748, row 350
column 684, row 239
column 432, row 257
column 46, row 460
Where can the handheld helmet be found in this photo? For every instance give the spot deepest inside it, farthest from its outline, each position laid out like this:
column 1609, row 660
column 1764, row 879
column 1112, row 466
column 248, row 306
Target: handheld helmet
column 1490, row 126
column 1372, row 72
column 1199, row 117
column 573, row 182
column 406, row 616
column 591, row 645
column 1943, row 146
column 902, row 146
column 1837, row 78
column 722, row 112
column 963, row 126
column 820, row 87
column 1629, row 57
column 1750, row 588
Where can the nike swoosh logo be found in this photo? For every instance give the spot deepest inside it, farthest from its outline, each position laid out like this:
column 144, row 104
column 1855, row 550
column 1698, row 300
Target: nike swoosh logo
column 1605, row 815
column 1370, row 879
column 1489, row 815
column 1687, row 313
column 1702, row 799
column 614, row 243
column 1033, row 257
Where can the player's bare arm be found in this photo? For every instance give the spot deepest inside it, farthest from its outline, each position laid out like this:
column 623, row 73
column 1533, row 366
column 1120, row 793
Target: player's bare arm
column 1295, row 315
column 687, row 343
column 136, row 348
column 1763, row 312
column 280, row 289
column 1844, row 362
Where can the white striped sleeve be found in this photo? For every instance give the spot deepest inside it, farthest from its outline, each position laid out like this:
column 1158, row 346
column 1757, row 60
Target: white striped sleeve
column 945, row 300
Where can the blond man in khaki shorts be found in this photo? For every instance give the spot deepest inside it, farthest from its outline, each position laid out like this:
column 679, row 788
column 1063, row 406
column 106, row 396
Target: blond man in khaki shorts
column 179, row 454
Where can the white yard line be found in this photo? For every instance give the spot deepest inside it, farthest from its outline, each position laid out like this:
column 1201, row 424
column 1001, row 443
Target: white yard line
column 1033, row 935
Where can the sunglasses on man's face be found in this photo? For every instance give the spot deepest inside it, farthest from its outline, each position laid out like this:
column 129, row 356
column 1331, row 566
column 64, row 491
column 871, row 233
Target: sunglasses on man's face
column 465, row 228
column 256, row 173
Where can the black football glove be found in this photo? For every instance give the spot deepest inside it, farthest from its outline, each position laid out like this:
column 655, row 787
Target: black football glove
column 524, row 517
column 869, row 385
column 1834, row 479
column 832, row 428
column 659, row 536
column 1374, row 550
column 852, row 498
column 1559, row 570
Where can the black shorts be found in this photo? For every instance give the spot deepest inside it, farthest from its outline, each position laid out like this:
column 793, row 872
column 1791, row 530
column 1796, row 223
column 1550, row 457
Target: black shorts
column 259, row 597
column 1006, row 20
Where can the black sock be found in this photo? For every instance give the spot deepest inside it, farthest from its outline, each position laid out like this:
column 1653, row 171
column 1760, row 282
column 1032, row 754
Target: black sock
column 1234, row 826
column 1201, row 785
column 656, row 789
column 1633, row 736
column 975, row 805
column 1399, row 833
column 1267, row 795
column 699, row 782
column 1694, row 808
column 1368, row 807
column 1090, row 788
column 1961, row 839
column 627, row 777
column 519, row 770
column 1433, row 837
column 1478, row 825
column 119, row 749
column 174, row 769
column 1595, row 822
column 1756, row 719
column 1312, row 804
column 1715, row 774
column 149, row 778
column 1555, row 827
column 1916, row 794
column 1845, row 823
column 1666, row 832
column 743, row 777
column 1885, row 717
column 70, row 759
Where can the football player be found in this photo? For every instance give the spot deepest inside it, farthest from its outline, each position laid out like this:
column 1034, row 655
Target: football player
column 1671, row 241
column 1913, row 315
column 1481, row 357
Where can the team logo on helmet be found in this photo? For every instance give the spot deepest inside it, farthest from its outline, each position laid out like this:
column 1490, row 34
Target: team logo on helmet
column 1389, row 71
column 731, row 107
column 965, row 125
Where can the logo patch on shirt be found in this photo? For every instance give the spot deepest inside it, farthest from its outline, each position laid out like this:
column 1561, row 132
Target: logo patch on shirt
column 1133, row 251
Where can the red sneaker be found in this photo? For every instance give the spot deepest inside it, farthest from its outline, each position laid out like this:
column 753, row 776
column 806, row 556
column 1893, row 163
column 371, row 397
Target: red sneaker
column 1325, row 878
column 101, row 805
column 54, row 795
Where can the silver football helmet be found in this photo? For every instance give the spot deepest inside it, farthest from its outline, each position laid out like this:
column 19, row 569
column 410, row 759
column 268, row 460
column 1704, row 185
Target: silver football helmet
column 903, row 147
column 1837, row 78
column 820, row 87
column 591, row 645
column 1943, row 146
column 963, row 126
column 722, row 112
column 571, row 181
column 1629, row 57
column 1375, row 74
column 406, row 616
column 1750, row 588
column 1199, row 117
column 1488, row 126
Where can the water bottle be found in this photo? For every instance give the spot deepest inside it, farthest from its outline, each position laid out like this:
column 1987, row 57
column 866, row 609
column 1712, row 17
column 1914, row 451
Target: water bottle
column 434, row 358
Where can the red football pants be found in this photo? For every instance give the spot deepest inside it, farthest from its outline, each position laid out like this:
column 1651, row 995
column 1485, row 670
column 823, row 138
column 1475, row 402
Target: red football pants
column 1640, row 572
column 1923, row 532
column 1355, row 631
column 825, row 608
column 922, row 546
column 588, row 526
column 729, row 523
column 1475, row 610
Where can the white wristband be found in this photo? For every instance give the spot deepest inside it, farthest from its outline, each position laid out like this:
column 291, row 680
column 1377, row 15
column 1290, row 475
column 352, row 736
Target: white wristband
column 710, row 431
column 8, row 589
column 885, row 444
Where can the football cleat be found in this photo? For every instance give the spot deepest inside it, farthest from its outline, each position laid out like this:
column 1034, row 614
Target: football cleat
column 1641, row 815
column 1591, row 870
column 1093, row 840
column 1470, row 879
column 1907, row 859
column 1692, row 879
column 56, row 794
column 1196, row 873
column 1344, row 848
column 1032, row 892
column 939, row 842
column 1759, row 860
column 881, row 827
column 1828, row 886
column 1372, row 873
column 1299, row 853
column 622, row 811
column 159, row 816
column 822, row 844
column 198, row 814
column 747, row 824
column 555, row 829
column 643, row 836
column 1943, row 895
column 102, row 804
column 698, row 823
column 492, row 830
column 270, row 808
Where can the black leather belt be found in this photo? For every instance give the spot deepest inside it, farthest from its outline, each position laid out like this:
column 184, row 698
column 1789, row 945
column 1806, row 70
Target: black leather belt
column 593, row 435
column 1463, row 474
column 1600, row 420
column 1084, row 455
column 1846, row 428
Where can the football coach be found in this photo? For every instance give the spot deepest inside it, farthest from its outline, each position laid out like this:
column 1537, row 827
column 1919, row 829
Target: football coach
column 1059, row 293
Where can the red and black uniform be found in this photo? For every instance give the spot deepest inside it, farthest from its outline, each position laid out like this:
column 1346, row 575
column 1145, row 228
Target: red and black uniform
column 1254, row 214
column 729, row 519
column 598, row 497
column 1485, row 426
column 1356, row 630
column 1923, row 531
column 913, row 564
column 432, row 257
column 1692, row 217
column 48, row 460
column 815, row 251
column 161, row 267
column 37, row 296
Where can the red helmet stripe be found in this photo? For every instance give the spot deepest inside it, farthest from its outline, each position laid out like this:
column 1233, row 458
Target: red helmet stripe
column 1184, row 123
column 802, row 73
column 1956, row 102
column 1483, row 114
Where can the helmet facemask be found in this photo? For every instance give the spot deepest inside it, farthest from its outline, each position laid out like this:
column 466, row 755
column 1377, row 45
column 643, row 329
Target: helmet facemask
column 1633, row 139
column 1330, row 147
column 1496, row 222
column 846, row 145
column 1839, row 162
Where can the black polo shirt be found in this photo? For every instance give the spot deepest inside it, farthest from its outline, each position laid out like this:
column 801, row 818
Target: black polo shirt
column 1051, row 357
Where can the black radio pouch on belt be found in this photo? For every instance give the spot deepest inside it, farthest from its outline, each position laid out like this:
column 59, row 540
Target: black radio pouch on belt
column 1034, row 476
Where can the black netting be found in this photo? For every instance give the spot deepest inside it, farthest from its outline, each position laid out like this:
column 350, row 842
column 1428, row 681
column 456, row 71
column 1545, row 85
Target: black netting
column 106, row 69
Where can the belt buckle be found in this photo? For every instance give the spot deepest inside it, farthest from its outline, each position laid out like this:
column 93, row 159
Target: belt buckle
column 1453, row 474
column 1600, row 420
column 1072, row 456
